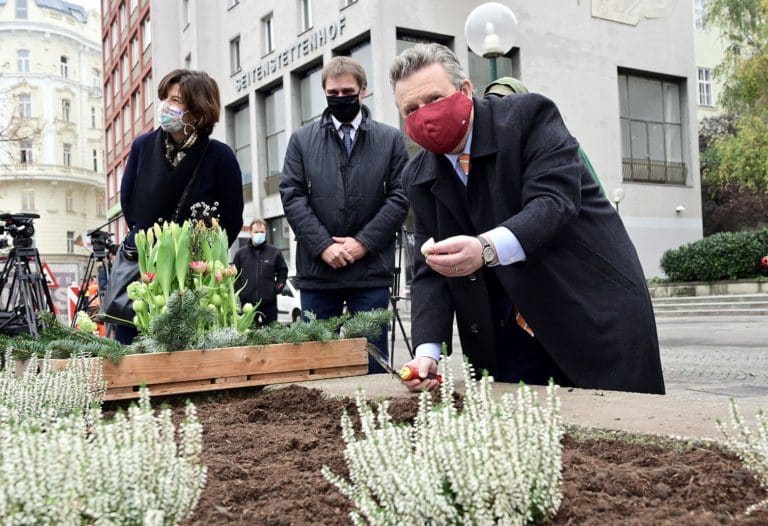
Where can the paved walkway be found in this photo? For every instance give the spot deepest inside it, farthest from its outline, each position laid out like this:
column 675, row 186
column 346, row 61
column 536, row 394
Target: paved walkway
column 706, row 361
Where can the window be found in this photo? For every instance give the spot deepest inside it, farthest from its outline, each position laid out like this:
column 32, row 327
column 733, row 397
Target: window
column 93, row 117
column 109, row 139
column 275, row 132
column 67, row 154
column 136, row 105
column 101, row 206
column 279, row 235
column 108, row 94
column 70, row 242
column 95, row 160
column 479, row 69
column 135, row 51
column 27, row 199
column 242, row 147
column 700, row 14
column 185, row 12
column 113, row 32
column 21, row 9
column 651, row 129
column 269, row 36
column 312, row 97
column 234, row 55
column 66, row 107
column 124, row 67
column 96, row 82
column 705, row 86
column 363, row 54
column 25, row 105
column 69, row 201
column 22, row 61
column 126, row 118
column 133, row 5
column 148, row 91
column 122, row 18
column 25, row 152
column 146, row 32
column 64, row 67
column 305, row 9
column 118, row 128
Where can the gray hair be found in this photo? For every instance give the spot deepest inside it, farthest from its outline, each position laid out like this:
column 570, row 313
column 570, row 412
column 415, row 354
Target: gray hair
column 423, row 55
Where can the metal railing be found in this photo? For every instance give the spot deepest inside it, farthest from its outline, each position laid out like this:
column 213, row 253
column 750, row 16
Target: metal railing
column 649, row 171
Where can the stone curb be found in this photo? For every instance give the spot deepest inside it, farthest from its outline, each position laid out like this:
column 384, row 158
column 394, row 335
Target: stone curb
column 668, row 415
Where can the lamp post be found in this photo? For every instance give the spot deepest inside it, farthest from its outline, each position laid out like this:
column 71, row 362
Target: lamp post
column 618, row 197
column 491, row 31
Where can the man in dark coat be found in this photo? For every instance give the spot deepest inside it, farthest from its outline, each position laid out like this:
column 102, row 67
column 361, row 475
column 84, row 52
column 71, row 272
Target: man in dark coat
column 531, row 257
column 343, row 197
column 263, row 273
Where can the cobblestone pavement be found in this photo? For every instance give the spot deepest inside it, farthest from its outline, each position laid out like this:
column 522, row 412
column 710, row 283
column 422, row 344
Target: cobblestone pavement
column 715, row 357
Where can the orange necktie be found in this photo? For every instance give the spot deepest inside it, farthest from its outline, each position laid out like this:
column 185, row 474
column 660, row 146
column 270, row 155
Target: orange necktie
column 465, row 164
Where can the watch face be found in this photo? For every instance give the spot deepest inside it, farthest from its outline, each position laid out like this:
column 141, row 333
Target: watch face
column 488, row 254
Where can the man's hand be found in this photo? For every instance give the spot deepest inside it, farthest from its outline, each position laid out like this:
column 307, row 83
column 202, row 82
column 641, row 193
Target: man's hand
column 425, row 365
column 336, row 256
column 456, row 256
column 354, row 247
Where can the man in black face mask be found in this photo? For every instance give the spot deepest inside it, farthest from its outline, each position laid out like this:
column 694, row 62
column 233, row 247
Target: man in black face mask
column 344, row 200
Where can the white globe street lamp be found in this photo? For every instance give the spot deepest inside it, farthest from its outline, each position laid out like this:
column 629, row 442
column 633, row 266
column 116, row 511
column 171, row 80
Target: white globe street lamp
column 491, row 31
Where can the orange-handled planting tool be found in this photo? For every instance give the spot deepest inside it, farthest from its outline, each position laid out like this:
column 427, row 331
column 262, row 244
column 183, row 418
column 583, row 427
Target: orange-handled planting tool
column 409, row 372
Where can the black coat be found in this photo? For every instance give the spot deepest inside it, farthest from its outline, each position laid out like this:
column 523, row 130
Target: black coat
column 263, row 272
column 150, row 188
column 581, row 289
column 326, row 193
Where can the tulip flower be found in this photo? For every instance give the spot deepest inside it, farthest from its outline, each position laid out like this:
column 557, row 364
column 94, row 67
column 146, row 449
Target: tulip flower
column 198, row 267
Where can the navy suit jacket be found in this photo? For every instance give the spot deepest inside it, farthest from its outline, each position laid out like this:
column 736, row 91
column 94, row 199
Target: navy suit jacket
column 219, row 180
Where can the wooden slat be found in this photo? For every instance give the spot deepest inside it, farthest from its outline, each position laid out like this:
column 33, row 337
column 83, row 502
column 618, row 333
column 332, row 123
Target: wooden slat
column 254, row 380
column 180, row 366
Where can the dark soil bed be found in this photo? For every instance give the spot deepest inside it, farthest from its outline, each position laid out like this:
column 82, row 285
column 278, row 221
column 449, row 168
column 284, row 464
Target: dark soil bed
column 264, row 451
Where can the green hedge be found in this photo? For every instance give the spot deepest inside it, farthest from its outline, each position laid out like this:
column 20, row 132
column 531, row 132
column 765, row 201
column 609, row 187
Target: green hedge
column 727, row 255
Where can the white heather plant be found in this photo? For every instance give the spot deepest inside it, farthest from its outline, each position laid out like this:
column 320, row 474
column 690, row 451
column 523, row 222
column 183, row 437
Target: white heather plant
column 751, row 447
column 127, row 471
column 45, row 394
column 496, row 461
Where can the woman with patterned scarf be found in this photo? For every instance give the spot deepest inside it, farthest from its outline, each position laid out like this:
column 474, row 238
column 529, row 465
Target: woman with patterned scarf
column 180, row 152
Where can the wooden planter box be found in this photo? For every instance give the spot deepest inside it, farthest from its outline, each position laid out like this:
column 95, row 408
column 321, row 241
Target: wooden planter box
column 231, row 367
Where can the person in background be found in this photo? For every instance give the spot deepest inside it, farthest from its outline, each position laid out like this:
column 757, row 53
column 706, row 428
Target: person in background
column 263, row 273
column 162, row 164
column 530, row 257
column 344, row 200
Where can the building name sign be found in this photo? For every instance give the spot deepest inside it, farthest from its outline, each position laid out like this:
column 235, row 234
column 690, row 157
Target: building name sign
column 286, row 57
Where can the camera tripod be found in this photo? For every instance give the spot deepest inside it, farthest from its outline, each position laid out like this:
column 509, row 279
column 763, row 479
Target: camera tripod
column 27, row 290
column 394, row 297
column 100, row 241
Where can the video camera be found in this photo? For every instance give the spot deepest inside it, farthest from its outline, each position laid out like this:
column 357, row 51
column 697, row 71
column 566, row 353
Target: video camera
column 19, row 227
column 101, row 242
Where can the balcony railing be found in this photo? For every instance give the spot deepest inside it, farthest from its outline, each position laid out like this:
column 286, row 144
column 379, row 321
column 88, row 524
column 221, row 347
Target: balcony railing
column 649, row 171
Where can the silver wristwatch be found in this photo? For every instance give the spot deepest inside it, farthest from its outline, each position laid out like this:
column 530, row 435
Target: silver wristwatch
column 489, row 254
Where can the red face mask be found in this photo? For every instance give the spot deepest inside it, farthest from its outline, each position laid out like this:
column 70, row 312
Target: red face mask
column 439, row 127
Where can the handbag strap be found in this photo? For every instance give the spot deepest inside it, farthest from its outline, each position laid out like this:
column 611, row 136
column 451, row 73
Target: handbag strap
column 190, row 184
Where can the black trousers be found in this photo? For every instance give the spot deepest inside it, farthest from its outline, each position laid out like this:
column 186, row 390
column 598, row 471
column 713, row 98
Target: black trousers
column 523, row 359
column 267, row 313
